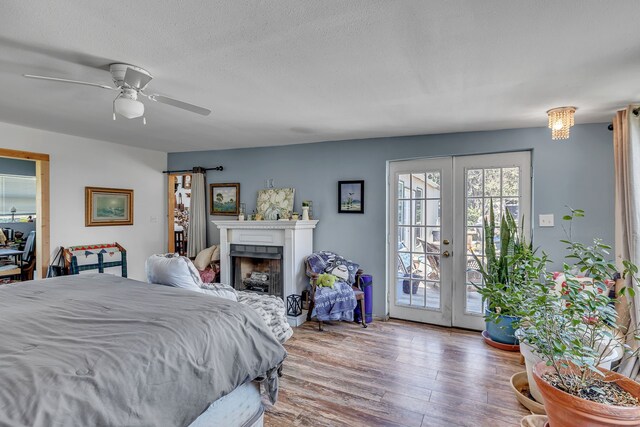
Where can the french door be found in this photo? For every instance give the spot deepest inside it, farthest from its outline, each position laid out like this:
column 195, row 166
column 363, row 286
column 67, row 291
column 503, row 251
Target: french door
column 436, row 212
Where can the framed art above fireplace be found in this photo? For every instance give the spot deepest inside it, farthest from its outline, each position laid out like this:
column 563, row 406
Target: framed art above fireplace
column 224, row 199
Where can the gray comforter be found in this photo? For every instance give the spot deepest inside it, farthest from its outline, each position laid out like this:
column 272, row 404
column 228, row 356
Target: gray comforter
column 102, row 350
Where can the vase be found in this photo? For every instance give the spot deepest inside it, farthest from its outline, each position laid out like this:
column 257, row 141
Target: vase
column 502, row 329
column 305, row 213
column 567, row 410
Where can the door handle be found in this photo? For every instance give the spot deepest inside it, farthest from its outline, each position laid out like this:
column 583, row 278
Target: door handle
column 445, row 242
column 446, row 254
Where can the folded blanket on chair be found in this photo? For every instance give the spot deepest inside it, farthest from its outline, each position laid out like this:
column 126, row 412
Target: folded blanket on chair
column 335, row 303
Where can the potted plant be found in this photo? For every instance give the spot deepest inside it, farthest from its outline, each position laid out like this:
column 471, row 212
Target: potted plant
column 507, row 273
column 572, row 329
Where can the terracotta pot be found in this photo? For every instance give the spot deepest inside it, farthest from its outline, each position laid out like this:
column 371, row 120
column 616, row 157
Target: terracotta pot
column 566, row 410
column 531, row 359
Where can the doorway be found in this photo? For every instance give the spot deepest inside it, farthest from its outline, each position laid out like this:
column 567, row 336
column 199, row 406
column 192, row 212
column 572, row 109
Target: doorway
column 42, row 225
column 436, row 211
column 179, row 197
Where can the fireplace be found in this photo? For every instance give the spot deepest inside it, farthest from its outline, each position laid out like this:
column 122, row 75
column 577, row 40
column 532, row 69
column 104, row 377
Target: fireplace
column 257, row 268
column 266, row 243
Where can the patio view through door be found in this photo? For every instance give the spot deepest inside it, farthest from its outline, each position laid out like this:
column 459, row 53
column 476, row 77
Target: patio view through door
column 436, row 212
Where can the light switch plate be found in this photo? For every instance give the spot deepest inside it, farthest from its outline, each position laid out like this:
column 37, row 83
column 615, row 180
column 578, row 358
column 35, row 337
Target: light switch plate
column 546, row 220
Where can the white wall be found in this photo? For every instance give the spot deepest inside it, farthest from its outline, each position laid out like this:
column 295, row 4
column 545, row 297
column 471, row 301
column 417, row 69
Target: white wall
column 77, row 162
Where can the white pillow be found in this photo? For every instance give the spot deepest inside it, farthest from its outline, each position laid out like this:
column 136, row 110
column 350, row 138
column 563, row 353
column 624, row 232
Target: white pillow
column 173, row 270
column 204, row 258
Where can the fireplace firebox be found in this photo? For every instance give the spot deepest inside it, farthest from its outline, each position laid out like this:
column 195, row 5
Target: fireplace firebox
column 257, row 268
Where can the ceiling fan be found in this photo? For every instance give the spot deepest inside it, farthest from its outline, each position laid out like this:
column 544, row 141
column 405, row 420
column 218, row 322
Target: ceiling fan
column 131, row 82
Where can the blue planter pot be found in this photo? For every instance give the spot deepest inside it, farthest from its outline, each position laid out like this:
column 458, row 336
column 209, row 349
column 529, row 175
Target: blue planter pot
column 502, row 330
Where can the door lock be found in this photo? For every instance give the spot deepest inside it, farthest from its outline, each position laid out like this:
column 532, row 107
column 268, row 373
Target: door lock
column 445, row 242
column 446, row 254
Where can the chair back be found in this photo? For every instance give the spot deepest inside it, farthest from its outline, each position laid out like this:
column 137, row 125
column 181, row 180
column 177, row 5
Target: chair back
column 29, row 247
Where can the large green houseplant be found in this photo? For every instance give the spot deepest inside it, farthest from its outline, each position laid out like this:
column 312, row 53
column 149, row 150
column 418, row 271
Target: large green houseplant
column 573, row 329
column 510, row 267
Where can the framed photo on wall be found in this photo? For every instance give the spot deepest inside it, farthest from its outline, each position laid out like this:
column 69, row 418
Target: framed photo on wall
column 107, row 206
column 351, row 196
column 224, row 199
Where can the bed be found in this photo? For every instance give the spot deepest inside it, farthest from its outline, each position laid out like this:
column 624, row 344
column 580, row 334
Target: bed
column 97, row 349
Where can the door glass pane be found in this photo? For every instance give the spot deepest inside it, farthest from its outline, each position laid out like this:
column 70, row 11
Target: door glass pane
column 433, row 185
column 433, row 240
column 404, row 212
column 474, row 183
column 404, row 186
column 512, row 205
column 492, row 182
column 475, row 243
column 418, row 239
column 418, row 256
column 404, row 238
column 499, row 187
column 433, row 212
column 418, row 212
column 474, row 212
column 417, row 185
column 511, row 181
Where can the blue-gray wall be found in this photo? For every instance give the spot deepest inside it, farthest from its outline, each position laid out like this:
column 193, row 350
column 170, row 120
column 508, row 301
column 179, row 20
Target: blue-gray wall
column 17, row 167
column 577, row 172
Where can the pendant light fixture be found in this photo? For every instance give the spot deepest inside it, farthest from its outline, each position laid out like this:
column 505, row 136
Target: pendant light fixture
column 561, row 121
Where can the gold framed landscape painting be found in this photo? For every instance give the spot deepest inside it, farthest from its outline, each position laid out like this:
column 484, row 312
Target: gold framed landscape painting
column 108, row 206
column 224, row 199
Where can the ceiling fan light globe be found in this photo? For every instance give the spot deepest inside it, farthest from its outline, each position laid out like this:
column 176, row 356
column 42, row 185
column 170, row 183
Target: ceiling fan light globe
column 129, row 108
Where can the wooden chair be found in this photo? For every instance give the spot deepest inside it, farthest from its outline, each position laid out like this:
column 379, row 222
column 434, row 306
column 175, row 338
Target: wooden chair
column 359, row 294
column 24, row 268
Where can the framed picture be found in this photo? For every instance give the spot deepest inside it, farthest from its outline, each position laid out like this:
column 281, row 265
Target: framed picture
column 186, row 182
column 351, row 197
column 107, row 206
column 224, row 199
column 274, row 202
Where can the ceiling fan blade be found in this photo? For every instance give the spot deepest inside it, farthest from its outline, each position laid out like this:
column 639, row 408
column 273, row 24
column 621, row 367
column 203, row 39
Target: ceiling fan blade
column 184, row 105
column 136, row 79
column 56, row 79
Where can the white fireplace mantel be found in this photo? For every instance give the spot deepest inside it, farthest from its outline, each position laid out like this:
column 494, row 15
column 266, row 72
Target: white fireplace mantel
column 295, row 237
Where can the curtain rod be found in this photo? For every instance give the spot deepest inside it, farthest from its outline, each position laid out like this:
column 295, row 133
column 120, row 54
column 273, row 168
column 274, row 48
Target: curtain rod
column 217, row 168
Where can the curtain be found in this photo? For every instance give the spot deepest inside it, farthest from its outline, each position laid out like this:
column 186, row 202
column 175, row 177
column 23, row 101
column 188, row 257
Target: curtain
column 626, row 146
column 197, row 233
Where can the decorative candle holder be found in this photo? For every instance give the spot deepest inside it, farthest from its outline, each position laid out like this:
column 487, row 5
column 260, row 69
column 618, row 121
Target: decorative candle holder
column 294, row 305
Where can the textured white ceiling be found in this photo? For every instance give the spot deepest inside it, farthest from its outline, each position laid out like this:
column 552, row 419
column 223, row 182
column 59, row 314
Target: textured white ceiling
column 283, row 72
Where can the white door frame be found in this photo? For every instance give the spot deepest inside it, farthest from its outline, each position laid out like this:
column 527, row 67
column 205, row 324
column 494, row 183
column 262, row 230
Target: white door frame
column 453, row 301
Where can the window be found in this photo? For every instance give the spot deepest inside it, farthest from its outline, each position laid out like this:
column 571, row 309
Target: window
column 17, row 192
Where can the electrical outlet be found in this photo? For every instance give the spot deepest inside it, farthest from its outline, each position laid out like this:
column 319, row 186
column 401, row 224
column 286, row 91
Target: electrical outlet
column 546, row 220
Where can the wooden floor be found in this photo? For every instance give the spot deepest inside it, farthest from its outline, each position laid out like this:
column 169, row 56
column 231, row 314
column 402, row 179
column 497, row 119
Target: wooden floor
column 394, row 373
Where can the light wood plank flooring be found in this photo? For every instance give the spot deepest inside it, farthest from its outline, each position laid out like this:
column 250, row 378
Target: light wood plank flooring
column 394, row 373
